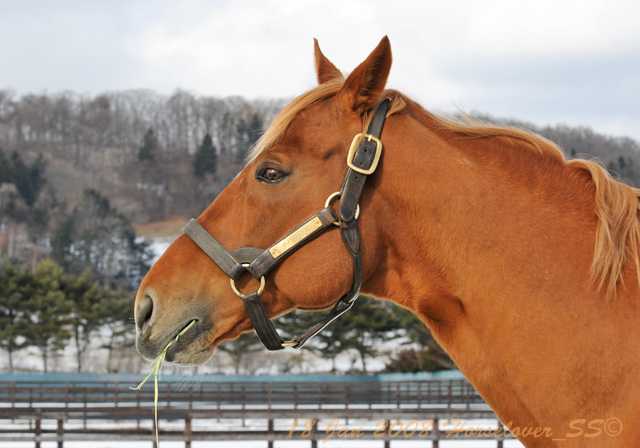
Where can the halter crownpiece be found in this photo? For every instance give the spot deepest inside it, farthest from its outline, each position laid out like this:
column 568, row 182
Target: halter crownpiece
column 362, row 160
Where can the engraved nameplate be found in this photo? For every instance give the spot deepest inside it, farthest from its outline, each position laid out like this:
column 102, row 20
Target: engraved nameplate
column 295, row 237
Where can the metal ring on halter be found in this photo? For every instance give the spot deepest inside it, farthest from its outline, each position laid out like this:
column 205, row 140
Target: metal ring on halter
column 332, row 197
column 243, row 295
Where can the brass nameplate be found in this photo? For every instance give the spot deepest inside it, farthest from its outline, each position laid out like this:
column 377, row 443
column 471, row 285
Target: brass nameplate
column 295, row 237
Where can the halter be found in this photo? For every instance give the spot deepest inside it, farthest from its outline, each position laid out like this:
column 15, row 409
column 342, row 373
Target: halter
column 362, row 161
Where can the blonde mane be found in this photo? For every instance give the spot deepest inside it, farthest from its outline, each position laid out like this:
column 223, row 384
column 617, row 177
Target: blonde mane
column 617, row 239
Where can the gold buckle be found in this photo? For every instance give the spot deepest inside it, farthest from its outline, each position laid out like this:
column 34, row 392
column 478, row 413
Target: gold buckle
column 354, row 147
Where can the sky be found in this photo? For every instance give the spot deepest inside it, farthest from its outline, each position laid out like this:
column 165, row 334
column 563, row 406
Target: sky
column 548, row 62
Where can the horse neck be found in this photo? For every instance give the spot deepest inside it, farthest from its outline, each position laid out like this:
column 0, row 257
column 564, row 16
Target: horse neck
column 491, row 246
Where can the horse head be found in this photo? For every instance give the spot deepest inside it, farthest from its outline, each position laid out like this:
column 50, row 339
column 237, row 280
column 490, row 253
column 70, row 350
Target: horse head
column 295, row 166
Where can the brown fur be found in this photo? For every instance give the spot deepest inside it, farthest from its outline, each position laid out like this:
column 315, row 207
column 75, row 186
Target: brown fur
column 502, row 247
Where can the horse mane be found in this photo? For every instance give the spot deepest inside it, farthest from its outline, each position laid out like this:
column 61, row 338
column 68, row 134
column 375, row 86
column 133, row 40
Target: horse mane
column 617, row 238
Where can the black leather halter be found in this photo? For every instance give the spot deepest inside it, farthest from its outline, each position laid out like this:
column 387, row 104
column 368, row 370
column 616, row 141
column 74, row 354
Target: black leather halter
column 362, row 161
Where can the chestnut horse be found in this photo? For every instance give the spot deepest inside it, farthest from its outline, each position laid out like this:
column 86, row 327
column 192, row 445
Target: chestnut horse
column 522, row 264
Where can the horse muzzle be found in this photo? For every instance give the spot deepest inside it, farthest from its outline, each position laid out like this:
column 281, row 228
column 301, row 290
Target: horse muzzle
column 188, row 342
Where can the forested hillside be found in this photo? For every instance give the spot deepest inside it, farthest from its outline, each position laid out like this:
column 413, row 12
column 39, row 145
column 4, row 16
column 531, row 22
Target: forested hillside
column 139, row 148
column 136, row 147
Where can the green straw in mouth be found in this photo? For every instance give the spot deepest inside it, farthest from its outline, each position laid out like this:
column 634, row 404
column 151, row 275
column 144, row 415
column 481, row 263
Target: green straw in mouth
column 155, row 370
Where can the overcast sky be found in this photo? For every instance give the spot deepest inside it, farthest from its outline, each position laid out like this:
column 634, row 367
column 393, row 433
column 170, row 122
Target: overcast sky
column 575, row 62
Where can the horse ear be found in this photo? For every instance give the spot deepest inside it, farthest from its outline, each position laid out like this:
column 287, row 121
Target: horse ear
column 325, row 70
column 364, row 86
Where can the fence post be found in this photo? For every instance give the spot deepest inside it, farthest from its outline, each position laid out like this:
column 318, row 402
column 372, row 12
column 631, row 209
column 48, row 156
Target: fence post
column 38, row 430
column 387, row 433
column 270, row 429
column 436, row 433
column 314, row 430
column 500, row 435
column 60, row 432
column 84, row 415
column 187, row 431
column 138, row 409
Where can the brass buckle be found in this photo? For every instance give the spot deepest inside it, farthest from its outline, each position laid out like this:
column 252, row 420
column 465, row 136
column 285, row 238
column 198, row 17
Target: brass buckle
column 354, row 147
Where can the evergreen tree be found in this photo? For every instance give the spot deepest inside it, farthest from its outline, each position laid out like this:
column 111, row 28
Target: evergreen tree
column 29, row 179
column 147, row 152
column 48, row 311
column 98, row 236
column 118, row 309
column 361, row 330
column 205, row 160
column 6, row 171
column 88, row 312
column 62, row 241
column 14, row 292
column 427, row 355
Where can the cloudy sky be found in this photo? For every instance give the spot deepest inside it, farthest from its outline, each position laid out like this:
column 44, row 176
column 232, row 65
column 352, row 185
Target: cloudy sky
column 575, row 62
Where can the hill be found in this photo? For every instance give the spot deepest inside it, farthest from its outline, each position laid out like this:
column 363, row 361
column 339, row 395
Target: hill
column 137, row 148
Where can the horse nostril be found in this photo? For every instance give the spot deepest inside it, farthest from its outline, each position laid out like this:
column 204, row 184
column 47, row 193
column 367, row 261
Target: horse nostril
column 145, row 311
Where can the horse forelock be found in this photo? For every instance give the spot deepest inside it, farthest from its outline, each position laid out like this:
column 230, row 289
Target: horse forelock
column 284, row 118
column 321, row 92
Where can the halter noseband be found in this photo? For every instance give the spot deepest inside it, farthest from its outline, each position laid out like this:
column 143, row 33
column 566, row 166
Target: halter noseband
column 362, row 161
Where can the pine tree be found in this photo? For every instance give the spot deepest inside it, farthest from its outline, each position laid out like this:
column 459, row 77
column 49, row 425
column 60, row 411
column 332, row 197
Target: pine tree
column 117, row 307
column 61, row 242
column 48, row 309
column 6, row 171
column 205, row 160
column 147, row 152
column 88, row 311
column 96, row 235
column 361, row 331
column 29, row 178
column 14, row 291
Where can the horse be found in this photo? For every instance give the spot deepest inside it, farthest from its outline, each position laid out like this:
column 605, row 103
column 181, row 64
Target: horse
column 523, row 265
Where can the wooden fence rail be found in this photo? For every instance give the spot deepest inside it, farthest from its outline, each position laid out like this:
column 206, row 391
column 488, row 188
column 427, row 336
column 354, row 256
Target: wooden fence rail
column 429, row 410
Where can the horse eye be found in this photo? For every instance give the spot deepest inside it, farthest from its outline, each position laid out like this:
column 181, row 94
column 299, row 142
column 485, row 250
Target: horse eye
column 270, row 175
